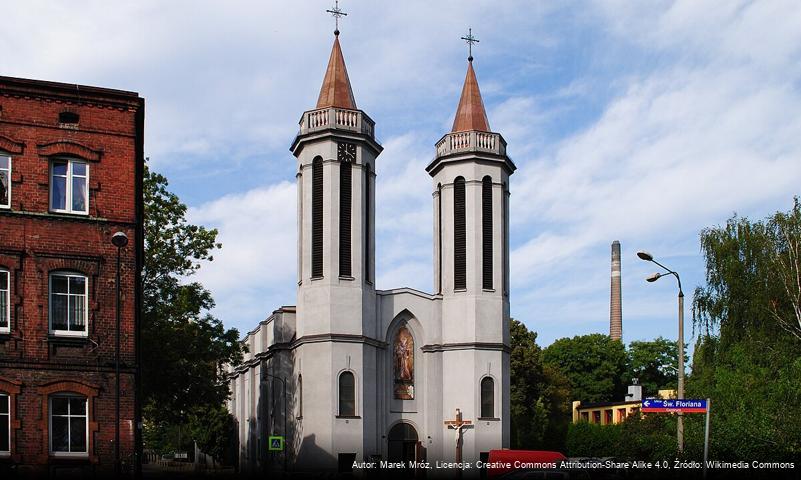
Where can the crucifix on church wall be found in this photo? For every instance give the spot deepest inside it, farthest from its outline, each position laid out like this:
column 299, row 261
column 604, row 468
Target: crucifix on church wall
column 458, row 425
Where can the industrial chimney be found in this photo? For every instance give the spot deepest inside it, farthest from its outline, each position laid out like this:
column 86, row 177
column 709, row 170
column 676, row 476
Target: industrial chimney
column 615, row 308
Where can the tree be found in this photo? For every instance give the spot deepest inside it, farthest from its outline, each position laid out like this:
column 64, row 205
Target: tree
column 539, row 394
column 654, row 363
column 748, row 356
column 595, row 366
column 184, row 348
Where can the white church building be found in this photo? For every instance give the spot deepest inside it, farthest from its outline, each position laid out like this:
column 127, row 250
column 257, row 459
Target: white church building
column 352, row 373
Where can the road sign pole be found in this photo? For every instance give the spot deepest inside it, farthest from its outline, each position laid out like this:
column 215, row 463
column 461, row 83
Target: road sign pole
column 706, row 433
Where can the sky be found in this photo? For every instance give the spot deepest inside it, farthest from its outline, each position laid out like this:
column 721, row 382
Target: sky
column 643, row 122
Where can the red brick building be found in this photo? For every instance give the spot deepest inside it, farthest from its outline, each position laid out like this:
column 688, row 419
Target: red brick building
column 71, row 166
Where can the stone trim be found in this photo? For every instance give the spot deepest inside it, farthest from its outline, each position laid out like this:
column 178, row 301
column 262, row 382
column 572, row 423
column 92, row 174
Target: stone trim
column 443, row 347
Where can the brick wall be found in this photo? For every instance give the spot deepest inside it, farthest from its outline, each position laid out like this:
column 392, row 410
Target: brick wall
column 35, row 362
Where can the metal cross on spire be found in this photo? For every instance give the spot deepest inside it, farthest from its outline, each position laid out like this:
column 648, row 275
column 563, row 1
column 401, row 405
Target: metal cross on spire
column 470, row 39
column 336, row 12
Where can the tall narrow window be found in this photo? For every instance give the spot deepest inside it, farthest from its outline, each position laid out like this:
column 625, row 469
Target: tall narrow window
column 300, row 396
column 68, row 304
column 367, row 223
column 69, row 186
column 439, row 238
column 5, row 423
column 5, row 301
column 487, row 397
column 345, row 202
column 317, row 217
column 486, row 232
column 459, row 236
column 69, row 428
column 5, row 181
column 505, row 239
column 347, row 395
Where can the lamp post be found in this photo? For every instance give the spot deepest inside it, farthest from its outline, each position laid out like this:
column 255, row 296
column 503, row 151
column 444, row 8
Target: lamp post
column 652, row 278
column 119, row 240
column 283, row 385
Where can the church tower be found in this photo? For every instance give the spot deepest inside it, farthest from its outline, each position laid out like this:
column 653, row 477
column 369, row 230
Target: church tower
column 336, row 299
column 471, row 267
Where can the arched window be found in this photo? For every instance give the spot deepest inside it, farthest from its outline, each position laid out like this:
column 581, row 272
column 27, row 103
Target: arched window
column 487, row 397
column 69, row 304
column 317, row 217
column 367, row 222
column 347, row 395
column 69, row 425
column 459, row 236
column 5, row 181
column 345, row 201
column 5, row 301
column 439, row 238
column 486, row 232
column 5, row 423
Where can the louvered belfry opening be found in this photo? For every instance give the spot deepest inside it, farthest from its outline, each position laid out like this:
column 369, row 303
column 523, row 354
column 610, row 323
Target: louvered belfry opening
column 367, row 217
column 439, row 238
column 345, row 202
column 486, row 232
column 505, row 238
column 317, row 217
column 459, row 236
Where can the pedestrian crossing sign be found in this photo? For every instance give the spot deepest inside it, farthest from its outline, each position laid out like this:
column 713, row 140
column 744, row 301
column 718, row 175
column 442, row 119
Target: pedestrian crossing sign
column 276, row 443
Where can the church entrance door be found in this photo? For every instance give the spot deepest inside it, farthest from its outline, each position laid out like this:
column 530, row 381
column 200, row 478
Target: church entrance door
column 402, row 444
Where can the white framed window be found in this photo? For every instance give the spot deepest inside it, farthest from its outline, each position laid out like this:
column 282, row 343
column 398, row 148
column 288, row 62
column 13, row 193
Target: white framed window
column 69, row 304
column 5, row 424
column 5, row 301
column 69, row 425
column 69, row 186
column 5, row 181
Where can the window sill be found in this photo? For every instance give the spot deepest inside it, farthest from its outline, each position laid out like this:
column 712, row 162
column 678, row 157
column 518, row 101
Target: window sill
column 74, row 457
column 68, row 340
column 459, row 290
column 68, row 213
column 316, row 278
column 347, row 277
column 488, row 419
column 4, row 337
column 349, row 417
column 491, row 290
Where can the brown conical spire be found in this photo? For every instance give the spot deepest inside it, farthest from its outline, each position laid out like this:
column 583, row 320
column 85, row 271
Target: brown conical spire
column 470, row 115
column 336, row 91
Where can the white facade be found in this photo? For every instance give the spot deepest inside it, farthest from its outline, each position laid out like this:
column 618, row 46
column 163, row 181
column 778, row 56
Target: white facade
column 343, row 325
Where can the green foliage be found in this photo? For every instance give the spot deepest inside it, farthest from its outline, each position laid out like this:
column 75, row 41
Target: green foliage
column 183, row 347
column 748, row 358
column 214, row 430
column 595, row 366
column 638, row 438
column 539, row 395
column 654, row 363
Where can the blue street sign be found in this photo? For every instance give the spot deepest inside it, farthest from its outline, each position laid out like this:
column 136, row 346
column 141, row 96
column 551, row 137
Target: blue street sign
column 683, row 405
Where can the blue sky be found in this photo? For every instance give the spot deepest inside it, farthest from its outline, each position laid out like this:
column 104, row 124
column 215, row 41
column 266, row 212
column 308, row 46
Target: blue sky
column 643, row 122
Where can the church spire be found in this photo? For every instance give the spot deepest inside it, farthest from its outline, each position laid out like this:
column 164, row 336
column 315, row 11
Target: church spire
column 470, row 115
column 336, row 90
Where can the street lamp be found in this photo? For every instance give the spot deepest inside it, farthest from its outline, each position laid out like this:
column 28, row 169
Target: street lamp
column 652, row 278
column 286, row 437
column 119, row 240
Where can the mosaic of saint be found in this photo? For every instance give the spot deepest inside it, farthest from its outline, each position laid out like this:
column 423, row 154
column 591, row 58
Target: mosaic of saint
column 403, row 351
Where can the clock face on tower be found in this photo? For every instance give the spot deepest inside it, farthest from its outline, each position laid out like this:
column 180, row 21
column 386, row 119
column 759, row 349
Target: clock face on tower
column 346, row 152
